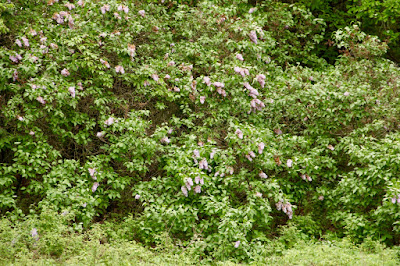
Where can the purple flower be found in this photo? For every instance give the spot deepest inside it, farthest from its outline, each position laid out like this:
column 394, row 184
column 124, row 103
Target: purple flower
column 117, row 16
column 237, row 244
column 165, row 140
column 15, row 75
column 261, row 147
column 167, row 76
column 239, row 133
column 184, row 191
column 289, row 163
column 171, row 63
column 263, row 175
column 18, row 42
column 137, row 196
column 109, row 121
column 100, row 134
column 240, row 57
column 92, row 172
column 15, row 58
column 197, row 189
column 188, row 183
column 196, row 153
column 219, row 84
column 253, row 36
column 202, row 99
column 104, row 9
column 26, row 41
column 249, row 157
column 65, row 72
column 252, row 154
column 261, row 79
column 72, row 91
column 251, row 10
column 207, row 81
column 81, row 3
column 203, row 164
column 70, row 6
column 34, row 234
column 212, row 153
column 32, row 32
column 154, row 77
column 31, row 133
column 119, row 69
column 41, row 100
column 142, row 13
column 95, row 186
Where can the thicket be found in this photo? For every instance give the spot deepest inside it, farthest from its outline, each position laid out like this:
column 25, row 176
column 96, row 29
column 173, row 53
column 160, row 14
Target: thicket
column 215, row 123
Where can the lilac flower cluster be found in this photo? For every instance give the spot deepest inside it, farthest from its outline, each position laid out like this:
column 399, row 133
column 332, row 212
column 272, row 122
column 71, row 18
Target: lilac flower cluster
column 104, row 9
column 306, row 177
column 189, row 184
column 15, row 58
column 253, row 36
column 165, row 140
column 396, row 199
column 261, row 79
column 250, row 156
column 242, row 71
column 286, row 208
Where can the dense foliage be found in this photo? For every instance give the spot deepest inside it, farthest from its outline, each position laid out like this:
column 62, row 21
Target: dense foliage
column 216, row 123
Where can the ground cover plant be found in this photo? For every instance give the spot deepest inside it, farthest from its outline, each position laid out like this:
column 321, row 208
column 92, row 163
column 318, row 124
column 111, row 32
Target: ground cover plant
column 213, row 124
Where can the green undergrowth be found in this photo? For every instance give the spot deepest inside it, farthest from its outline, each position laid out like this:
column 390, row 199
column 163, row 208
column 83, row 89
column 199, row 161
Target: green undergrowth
column 49, row 239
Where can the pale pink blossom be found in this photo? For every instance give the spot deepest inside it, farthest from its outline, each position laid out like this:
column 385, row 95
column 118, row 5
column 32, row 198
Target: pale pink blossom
column 219, row 84
column 263, row 175
column 207, row 81
column 100, row 134
column 202, row 99
column 43, row 40
column 34, row 234
column 230, row 170
column 261, row 147
column 81, row 3
column 53, row 46
column 252, row 154
column 18, row 42
column 26, row 41
column 346, row 93
column 65, row 72
column 261, row 79
column 146, row 83
column 117, row 16
column 239, row 133
column 242, row 71
column 105, row 63
column 109, row 121
column 20, row 118
column 72, row 91
column 15, row 75
column 171, row 63
column 196, row 153
column 321, row 198
column 123, row 8
column 165, row 140
column 137, row 196
column 258, row 194
column 197, row 189
column 31, row 133
column 249, row 157
column 203, row 164
column 119, row 69
column 189, row 183
column 32, row 32
column 41, row 100
column 184, row 191
column 142, row 13
column 95, row 186
column 251, row 10
column 70, row 6
column 253, row 36
column 240, row 57
column 92, row 172
column 155, row 77
column 289, row 163
column 167, row 76
column 176, row 89
column 104, row 9
column 237, row 244
column 212, row 154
